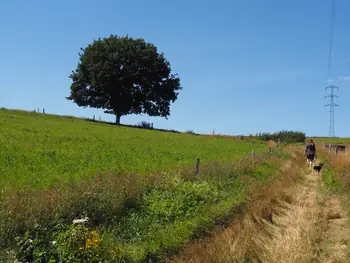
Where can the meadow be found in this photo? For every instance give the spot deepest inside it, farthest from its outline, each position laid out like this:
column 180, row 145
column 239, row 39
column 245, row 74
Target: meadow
column 39, row 150
column 331, row 140
column 137, row 188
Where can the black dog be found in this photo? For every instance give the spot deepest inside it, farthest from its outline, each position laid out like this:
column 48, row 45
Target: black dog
column 318, row 167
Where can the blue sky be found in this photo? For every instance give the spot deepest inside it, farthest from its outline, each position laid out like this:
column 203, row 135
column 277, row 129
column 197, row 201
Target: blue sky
column 245, row 66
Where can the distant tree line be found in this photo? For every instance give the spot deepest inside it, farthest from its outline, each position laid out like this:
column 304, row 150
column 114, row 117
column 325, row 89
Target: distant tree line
column 284, row 136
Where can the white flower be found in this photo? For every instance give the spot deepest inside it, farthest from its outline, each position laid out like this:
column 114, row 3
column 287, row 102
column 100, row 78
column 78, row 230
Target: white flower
column 54, row 243
column 78, row 221
column 30, row 241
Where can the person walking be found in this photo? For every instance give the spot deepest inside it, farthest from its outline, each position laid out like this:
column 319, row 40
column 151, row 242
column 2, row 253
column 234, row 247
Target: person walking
column 310, row 152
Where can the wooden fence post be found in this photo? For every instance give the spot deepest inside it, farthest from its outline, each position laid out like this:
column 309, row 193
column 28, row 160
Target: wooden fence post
column 197, row 165
column 253, row 158
column 43, row 111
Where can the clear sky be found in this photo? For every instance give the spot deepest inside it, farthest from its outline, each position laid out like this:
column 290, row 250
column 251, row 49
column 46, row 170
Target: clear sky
column 245, row 66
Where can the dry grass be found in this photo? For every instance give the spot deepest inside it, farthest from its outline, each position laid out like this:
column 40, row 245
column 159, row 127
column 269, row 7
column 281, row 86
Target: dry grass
column 287, row 221
column 333, row 230
column 271, row 144
column 291, row 232
column 334, row 224
column 101, row 197
column 341, row 159
column 258, row 232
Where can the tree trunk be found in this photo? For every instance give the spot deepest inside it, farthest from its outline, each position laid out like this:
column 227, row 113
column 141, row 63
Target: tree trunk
column 117, row 119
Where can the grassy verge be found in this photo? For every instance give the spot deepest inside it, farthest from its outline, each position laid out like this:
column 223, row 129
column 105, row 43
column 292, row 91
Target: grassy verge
column 336, row 180
column 131, row 218
column 333, row 172
column 243, row 239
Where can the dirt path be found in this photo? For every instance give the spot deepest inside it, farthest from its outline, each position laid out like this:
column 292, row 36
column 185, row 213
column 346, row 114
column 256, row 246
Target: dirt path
column 304, row 224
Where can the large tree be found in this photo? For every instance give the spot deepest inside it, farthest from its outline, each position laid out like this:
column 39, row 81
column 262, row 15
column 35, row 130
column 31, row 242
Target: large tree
column 124, row 76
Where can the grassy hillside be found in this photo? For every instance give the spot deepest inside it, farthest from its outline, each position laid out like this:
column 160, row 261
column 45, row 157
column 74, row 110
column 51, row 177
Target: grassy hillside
column 332, row 140
column 41, row 150
column 124, row 180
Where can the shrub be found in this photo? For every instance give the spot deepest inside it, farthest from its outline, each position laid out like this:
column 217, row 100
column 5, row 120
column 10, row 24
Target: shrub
column 39, row 244
column 284, row 136
column 145, row 125
column 75, row 244
column 190, row 132
column 79, row 244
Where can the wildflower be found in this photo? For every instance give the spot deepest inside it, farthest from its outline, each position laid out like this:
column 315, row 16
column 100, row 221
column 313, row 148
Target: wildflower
column 78, row 221
column 53, row 243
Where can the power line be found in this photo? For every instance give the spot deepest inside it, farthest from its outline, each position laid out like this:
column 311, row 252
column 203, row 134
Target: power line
column 331, row 33
column 331, row 105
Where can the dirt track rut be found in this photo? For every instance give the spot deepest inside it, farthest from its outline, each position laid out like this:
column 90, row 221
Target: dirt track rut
column 310, row 227
column 305, row 225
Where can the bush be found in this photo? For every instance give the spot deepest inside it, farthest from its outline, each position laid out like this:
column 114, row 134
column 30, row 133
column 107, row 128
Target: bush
column 284, row 136
column 74, row 244
column 79, row 244
column 145, row 125
column 39, row 244
column 190, row 132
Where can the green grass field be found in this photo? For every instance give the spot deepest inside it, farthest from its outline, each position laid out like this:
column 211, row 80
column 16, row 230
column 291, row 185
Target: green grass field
column 135, row 211
column 332, row 140
column 40, row 150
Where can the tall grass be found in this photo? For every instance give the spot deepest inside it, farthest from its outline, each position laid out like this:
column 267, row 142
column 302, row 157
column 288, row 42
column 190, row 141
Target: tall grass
column 336, row 171
column 336, row 225
column 244, row 239
column 137, row 217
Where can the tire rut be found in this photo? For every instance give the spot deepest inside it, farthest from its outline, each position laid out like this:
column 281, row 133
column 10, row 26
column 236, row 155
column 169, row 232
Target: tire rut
column 295, row 222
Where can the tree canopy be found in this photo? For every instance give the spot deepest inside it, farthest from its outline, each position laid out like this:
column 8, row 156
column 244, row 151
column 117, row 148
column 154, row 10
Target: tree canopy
column 124, row 76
